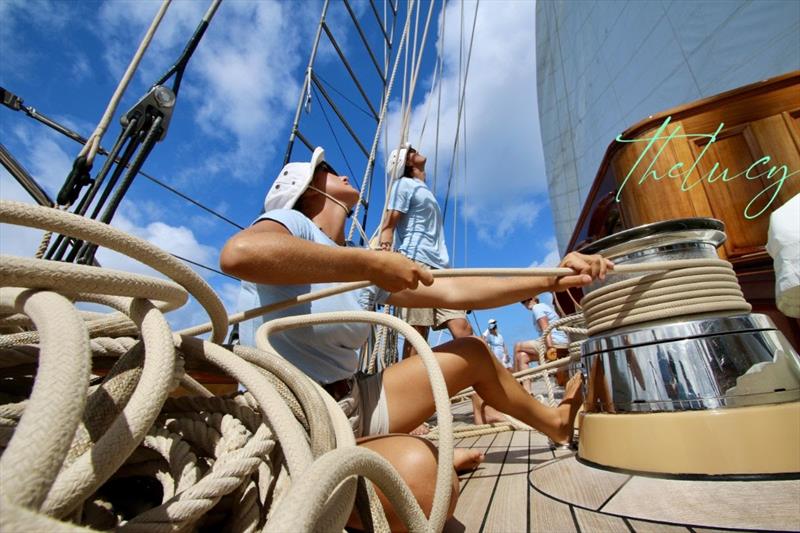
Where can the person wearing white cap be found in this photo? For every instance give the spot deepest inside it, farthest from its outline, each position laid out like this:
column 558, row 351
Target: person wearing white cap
column 496, row 343
column 296, row 246
column 413, row 213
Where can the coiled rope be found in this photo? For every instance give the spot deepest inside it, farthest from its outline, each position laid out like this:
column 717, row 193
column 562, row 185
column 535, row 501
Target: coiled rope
column 247, row 459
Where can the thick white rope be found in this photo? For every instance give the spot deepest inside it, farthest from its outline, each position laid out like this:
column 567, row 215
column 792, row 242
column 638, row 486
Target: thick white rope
column 441, row 499
column 34, row 455
column 47, row 218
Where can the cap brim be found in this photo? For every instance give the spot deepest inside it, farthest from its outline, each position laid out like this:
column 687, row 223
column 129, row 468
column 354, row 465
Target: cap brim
column 316, row 158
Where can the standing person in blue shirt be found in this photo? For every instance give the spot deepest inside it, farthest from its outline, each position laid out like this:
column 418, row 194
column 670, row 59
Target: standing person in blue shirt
column 414, row 214
column 298, row 246
column 496, row 343
column 556, row 342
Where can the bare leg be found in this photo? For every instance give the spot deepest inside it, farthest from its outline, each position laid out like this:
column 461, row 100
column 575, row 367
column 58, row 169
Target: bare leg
column 415, row 460
column 459, row 327
column 467, row 362
column 484, row 414
column 522, row 358
column 409, row 350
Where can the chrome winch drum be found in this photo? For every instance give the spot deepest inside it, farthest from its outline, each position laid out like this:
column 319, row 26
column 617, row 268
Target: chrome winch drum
column 692, row 382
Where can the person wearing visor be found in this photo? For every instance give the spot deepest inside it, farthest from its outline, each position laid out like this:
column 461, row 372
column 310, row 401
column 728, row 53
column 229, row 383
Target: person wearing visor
column 413, row 213
column 296, row 247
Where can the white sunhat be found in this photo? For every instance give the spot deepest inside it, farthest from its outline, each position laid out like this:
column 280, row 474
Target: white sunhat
column 292, row 182
column 397, row 161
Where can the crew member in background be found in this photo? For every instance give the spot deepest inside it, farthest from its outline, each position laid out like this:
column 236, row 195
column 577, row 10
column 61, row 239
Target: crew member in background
column 556, row 342
column 496, row 343
column 414, row 214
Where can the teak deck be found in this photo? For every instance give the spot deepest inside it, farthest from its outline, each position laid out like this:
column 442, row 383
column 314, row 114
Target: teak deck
column 524, row 485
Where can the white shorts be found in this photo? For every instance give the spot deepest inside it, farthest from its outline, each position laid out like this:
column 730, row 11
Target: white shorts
column 369, row 415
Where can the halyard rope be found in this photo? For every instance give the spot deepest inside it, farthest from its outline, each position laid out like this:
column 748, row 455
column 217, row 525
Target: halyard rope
column 93, row 143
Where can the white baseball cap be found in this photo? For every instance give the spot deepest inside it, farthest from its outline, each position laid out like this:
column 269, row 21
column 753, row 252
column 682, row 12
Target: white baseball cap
column 397, row 161
column 492, row 322
column 292, row 182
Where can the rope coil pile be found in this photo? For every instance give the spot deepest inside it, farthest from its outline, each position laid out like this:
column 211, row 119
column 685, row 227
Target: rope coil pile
column 117, row 452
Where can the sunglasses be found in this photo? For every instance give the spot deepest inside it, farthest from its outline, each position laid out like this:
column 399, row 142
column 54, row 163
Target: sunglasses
column 325, row 167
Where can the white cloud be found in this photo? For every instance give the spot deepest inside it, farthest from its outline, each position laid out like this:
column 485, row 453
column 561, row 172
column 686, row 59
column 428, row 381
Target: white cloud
column 552, row 258
column 504, row 161
column 243, row 73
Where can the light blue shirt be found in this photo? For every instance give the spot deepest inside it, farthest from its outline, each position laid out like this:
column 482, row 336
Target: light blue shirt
column 542, row 310
column 419, row 230
column 497, row 344
column 326, row 353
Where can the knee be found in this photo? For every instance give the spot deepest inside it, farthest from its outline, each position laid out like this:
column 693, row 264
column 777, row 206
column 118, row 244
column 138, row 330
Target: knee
column 475, row 351
column 459, row 327
column 416, row 460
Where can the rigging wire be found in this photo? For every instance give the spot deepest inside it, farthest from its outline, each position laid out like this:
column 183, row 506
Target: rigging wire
column 416, row 62
column 16, row 103
column 180, row 65
column 335, row 137
column 334, row 89
column 464, row 186
column 439, row 104
column 204, row 266
column 460, row 108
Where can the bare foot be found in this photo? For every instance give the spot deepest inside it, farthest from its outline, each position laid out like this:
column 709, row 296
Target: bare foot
column 487, row 415
column 465, row 459
column 568, row 408
column 420, row 430
column 494, row 418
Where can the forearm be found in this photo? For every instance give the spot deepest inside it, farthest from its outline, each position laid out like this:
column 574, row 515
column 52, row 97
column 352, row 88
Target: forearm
column 287, row 260
column 473, row 292
column 387, row 236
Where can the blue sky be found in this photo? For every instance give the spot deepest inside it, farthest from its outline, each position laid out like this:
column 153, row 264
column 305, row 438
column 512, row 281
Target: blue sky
column 238, row 96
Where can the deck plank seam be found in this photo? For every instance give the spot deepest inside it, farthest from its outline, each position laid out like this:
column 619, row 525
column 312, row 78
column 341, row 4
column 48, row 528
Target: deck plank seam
column 528, row 492
column 616, row 491
column 628, row 525
column 638, row 519
column 494, row 487
column 469, row 478
column 574, row 518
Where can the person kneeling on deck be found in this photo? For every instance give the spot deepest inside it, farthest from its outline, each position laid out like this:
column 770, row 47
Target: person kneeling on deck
column 297, row 246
